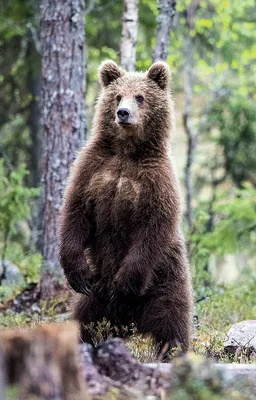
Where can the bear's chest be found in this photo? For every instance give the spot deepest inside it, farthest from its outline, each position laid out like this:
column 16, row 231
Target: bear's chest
column 115, row 195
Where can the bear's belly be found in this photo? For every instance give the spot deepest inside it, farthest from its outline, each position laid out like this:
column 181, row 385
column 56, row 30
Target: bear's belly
column 115, row 203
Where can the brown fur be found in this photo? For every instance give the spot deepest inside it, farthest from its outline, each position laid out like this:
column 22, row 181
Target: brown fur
column 122, row 205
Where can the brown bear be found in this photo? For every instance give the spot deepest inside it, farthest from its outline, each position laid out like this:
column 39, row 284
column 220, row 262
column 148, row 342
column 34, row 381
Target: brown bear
column 120, row 239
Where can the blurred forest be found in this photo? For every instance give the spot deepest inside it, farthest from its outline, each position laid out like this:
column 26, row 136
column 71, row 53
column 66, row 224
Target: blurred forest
column 212, row 55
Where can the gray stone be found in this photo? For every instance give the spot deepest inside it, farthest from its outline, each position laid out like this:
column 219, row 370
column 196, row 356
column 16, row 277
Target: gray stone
column 12, row 274
column 241, row 340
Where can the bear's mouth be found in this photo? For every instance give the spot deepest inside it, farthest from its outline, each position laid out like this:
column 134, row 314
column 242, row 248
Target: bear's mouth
column 125, row 124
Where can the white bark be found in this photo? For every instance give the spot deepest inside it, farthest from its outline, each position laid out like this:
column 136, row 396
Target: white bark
column 187, row 121
column 166, row 13
column 187, row 115
column 129, row 35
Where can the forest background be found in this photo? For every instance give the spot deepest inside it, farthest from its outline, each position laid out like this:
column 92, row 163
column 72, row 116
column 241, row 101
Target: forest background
column 212, row 55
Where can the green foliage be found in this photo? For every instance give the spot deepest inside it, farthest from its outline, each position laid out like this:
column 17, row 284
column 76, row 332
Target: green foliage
column 234, row 227
column 28, row 262
column 236, row 120
column 14, row 201
column 226, row 306
column 223, row 307
column 103, row 330
column 10, row 320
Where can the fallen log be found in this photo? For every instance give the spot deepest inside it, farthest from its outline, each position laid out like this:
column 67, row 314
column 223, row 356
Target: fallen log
column 48, row 363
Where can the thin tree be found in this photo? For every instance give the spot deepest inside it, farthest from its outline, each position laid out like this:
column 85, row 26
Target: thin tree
column 166, row 13
column 34, row 88
column 63, row 117
column 187, row 114
column 129, row 35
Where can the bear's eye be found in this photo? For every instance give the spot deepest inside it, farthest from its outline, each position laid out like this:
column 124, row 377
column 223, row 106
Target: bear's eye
column 139, row 98
column 118, row 98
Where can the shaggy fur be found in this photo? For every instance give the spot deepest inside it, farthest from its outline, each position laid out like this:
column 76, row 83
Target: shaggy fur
column 120, row 240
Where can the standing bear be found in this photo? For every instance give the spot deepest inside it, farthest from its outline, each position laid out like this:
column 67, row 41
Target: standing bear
column 121, row 245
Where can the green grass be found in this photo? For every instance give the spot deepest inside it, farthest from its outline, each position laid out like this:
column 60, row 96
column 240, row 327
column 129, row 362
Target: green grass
column 223, row 308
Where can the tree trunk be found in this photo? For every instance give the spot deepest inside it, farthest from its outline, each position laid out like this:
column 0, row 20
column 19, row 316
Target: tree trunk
column 34, row 88
column 187, row 115
column 166, row 13
column 63, row 117
column 34, row 127
column 129, row 35
column 187, row 121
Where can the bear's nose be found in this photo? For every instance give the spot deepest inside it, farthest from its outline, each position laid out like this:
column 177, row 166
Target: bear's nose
column 123, row 114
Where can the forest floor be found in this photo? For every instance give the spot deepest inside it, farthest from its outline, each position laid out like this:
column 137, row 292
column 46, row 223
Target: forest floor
column 223, row 307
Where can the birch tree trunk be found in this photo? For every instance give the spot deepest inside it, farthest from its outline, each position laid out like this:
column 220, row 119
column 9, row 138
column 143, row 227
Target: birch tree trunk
column 166, row 13
column 63, row 117
column 129, row 35
column 187, row 121
column 187, row 115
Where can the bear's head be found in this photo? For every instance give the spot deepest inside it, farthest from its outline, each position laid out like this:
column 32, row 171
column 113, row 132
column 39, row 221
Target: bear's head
column 135, row 104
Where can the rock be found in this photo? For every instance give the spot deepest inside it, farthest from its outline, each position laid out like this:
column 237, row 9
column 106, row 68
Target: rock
column 11, row 274
column 241, row 341
column 112, row 367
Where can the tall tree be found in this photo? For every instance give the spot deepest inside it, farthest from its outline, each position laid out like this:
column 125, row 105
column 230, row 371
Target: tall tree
column 63, row 117
column 129, row 34
column 166, row 12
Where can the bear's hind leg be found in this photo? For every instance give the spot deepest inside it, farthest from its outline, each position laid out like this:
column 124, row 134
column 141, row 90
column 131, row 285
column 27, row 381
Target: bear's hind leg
column 88, row 312
column 169, row 322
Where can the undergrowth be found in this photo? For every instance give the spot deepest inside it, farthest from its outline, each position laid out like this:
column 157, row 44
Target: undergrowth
column 222, row 307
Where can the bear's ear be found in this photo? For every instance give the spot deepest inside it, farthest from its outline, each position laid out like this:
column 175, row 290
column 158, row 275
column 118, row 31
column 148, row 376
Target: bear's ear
column 160, row 73
column 109, row 72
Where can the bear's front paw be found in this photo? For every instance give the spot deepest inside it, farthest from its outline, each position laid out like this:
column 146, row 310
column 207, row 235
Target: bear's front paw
column 80, row 281
column 127, row 282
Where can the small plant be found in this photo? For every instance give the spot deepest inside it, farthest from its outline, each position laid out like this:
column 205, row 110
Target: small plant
column 103, row 330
